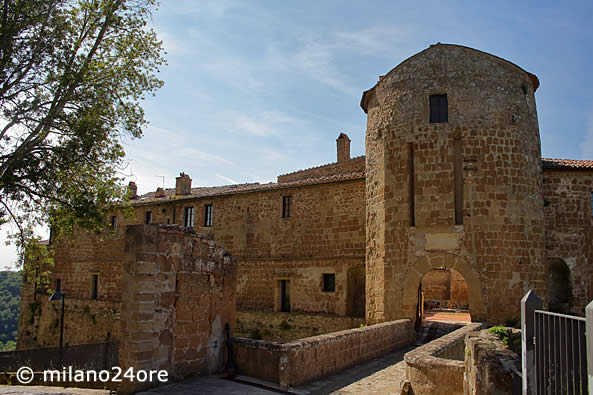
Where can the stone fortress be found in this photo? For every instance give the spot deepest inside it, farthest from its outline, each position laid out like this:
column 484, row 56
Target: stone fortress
column 452, row 182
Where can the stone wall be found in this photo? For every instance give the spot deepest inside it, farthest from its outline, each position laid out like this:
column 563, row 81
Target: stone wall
column 436, row 285
column 569, row 231
column 86, row 320
column 347, row 166
column 490, row 366
column 298, row 362
column 437, row 367
column 324, row 234
column 258, row 285
column 179, row 293
column 465, row 194
column 444, row 288
column 286, row 327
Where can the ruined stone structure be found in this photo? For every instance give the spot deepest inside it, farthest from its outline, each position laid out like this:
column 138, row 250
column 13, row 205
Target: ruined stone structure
column 452, row 178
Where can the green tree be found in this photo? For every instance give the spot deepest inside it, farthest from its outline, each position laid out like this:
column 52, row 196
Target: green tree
column 72, row 78
column 10, row 292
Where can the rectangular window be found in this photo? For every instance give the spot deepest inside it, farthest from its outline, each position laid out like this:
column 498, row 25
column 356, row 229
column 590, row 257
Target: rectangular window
column 207, row 215
column 438, row 109
column 329, row 282
column 113, row 223
column 188, row 218
column 148, row 217
column 58, row 285
column 95, row 286
column 286, row 203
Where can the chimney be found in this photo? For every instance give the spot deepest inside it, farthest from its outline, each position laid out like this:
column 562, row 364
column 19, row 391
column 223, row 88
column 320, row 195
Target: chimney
column 343, row 143
column 132, row 190
column 183, row 185
column 160, row 192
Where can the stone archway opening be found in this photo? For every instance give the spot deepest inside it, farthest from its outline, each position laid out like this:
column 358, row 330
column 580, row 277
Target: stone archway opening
column 558, row 286
column 443, row 296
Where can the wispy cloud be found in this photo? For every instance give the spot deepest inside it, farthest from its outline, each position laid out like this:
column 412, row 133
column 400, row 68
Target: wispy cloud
column 226, row 179
column 373, row 41
column 266, row 123
column 322, row 56
column 173, row 45
column 209, row 8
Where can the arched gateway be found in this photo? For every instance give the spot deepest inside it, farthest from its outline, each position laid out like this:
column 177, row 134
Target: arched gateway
column 424, row 265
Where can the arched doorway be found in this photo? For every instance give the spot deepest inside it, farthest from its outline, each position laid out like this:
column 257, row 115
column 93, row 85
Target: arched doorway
column 558, row 286
column 411, row 307
column 444, row 296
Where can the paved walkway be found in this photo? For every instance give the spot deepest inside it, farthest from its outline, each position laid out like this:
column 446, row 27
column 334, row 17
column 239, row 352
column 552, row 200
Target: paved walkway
column 379, row 376
column 446, row 316
column 39, row 390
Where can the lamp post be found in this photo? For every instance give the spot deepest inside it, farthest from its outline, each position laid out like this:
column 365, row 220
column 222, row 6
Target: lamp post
column 56, row 296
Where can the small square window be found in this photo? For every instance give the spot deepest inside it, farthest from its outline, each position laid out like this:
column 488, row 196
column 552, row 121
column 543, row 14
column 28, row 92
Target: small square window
column 329, row 282
column 113, row 223
column 95, row 286
column 148, row 217
column 438, row 109
column 207, row 215
column 286, row 206
column 188, row 217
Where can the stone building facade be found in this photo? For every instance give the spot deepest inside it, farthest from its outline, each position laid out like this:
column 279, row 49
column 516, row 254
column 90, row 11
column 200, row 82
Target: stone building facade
column 452, row 178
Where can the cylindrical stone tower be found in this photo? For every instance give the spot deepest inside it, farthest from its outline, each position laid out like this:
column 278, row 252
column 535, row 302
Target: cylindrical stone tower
column 453, row 179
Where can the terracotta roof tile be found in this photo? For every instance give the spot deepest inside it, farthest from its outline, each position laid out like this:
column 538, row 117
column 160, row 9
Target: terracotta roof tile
column 243, row 188
column 567, row 164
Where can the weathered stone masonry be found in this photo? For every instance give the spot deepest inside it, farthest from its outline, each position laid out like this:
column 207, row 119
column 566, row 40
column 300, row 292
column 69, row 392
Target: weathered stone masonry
column 471, row 194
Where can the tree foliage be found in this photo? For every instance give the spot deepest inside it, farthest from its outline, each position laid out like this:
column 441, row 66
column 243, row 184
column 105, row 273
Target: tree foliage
column 72, row 78
column 10, row 295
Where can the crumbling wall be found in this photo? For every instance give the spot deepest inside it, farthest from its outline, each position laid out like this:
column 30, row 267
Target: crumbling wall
column 178, row 294
column 490, row 366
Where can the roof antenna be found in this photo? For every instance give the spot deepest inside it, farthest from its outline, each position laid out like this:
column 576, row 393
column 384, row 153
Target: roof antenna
column 163, row 177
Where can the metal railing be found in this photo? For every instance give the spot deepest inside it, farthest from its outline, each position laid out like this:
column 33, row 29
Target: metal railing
column 560, row 354
column 557, row 350
column 95, row 356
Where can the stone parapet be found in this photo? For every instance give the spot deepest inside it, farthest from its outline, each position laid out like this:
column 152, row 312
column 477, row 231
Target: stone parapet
column 301, row 361
column 437, row 367
column 490, row 366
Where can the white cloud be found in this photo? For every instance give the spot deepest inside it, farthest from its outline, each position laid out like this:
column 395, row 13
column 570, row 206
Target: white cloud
column 209, row 8
column 226, row 179
column 173, row 45
column 373, row 41
column 320, row 56
column 267, row 123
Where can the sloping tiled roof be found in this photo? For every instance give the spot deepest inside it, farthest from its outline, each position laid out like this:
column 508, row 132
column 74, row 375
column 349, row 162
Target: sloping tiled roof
column 567, row 164
column 244, row 188
column 318, row 167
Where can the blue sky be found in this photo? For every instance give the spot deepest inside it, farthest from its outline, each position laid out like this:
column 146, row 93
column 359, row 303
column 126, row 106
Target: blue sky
column 254, row 89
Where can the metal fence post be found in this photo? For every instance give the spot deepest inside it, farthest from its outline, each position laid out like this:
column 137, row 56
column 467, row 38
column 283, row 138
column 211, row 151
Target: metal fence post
column 529, row 304
column 589, row 334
